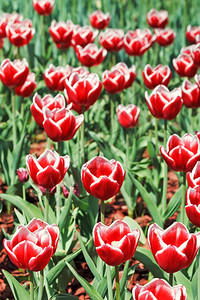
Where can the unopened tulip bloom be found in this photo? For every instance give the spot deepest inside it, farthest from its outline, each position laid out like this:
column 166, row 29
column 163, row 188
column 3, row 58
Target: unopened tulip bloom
column 190, row 94
column 61, row 33
column 138, row 42
column 116, row 243
column 128, row 116
column 193, row 34
column 174, row 248
column 32, row 246
column 49, row 169
column 20, row 33
column 14, row 73
column 113, row 80
column 165, row 37
column 99, row 20
column 54, row 77
column 60, row 124
column 159, row 289
column 26, row 89
column 193, row 177
column 184, row 65
column 38, row 105
column 112, row 39
column 22, row 175
column 83, row 90
column 182, row 153
column 157, row 19
column 130, row 73
column 102, row 178
column 164, row 104
column 155, row 76
column 90, row 55
column 83, row 35
column 192, row 207
column 43, row 7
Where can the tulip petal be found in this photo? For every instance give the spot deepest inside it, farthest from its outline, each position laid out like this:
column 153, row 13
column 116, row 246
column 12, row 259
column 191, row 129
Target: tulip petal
column 104, row 188
column 110, row 255
column 39, row 263
column 49, row 177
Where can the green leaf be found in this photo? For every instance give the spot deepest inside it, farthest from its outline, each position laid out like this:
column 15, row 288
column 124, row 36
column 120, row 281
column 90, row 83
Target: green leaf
column 133, row 225
column 64, row 297
column 17, row 289
column 181, row 279
column 65, row 212
column 174, row 203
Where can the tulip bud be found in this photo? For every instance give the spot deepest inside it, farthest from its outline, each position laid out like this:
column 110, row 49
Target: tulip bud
column 22, row 175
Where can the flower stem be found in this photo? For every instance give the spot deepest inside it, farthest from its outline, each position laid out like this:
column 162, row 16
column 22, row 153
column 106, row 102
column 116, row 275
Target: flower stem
column 112, row 112
column 171, row 278
column 41, row 285
column 127, row 149
column 43, row 36
column 24, row 191
column 14, row 121
column 156, row 134
column 164, row 198
column 117, row 282
column 31, row 285
column 46, row 209
column 82, row 151
column 102, row 212
column 183, row 200
column 198, row 257
column 109, row 282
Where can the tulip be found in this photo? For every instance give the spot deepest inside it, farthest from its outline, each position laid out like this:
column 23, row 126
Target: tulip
column 6, row 19
column 138, row 42
column 128, row 116
column 196, row 54
column 83, row 90
column 130, row 73
column 174, row 248
column 61, row 33
column 116, row 243
column 20, row 33
column 190, row 94
column 43, row 7
column 65, row 191
column 32, row 246
column 83, row 36
column 193, row 177
column 26, row 89
column 157, row 19
column 182, row 153
column 49, row 169
column 81, row 71
column 184, row 65
column 192, row 207
column 113, row 80
column 22, row 175
column 155, row 76
column 99, row 20
column 193, row 34
column 165, row 37
column 159, row 289
column 60, row 124
column 38, row 105
column 112, row 39
column 14, row 73
column 164, row 104
column 102, row 178
column 90, row 55
column 54, row 77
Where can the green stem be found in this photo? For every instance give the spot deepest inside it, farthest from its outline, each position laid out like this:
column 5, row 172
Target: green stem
column 41, row 285
column 31, row 285
column 43, row 36
column 127, row 149
column 46, row 209
column 14, row 121
column 24, row 191
column 112, row 112
column 171, row 278
column 156, row 134
column 117, row 282
column 109, row 282
column 102, row 212
column 164, row 198
column 58, row 204
column 82, row 150
column 183, row 199
column 198, row 257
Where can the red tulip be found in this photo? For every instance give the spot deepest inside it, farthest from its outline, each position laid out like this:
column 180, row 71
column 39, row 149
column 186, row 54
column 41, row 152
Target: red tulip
column 116, row 243
column 193, row 34
column 14, row 73
column 28, row 87
column 164, row 104
column 155, row 76
column 182, row 153
column 83, row 90
column 138, row 42
column 43, row 7
column 54, row 77
column 8, row 19
column 90, row 55
column 196, row 54
column 102, row 178
column 61, row 33
column 60, row 124
column 112, row 39
column 192, row 207
column 113, row 80
column 165, row 37
column 128, row 116
column 190, row 94
column 32, row 246
column 129, row 73
column 99, row 20
column 22, row 175
column 81, row 71
column 49, row 169
column 159, row 289
column 38, row 105
column 157, row 19
column 20, row 33
column 184, row 65
column 193, row 177
column 174, row 248
column 83, row 35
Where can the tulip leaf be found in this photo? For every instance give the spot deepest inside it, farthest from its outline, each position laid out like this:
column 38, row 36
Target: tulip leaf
column 174, row 203
column 88, row 288
column 149, row 202
column 133, row 225
column 18, row 290
column 181, row 279
column 65, row 212
column 64, row 297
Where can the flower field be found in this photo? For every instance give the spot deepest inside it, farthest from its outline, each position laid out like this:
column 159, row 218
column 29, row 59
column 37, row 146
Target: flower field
column 99, row 150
